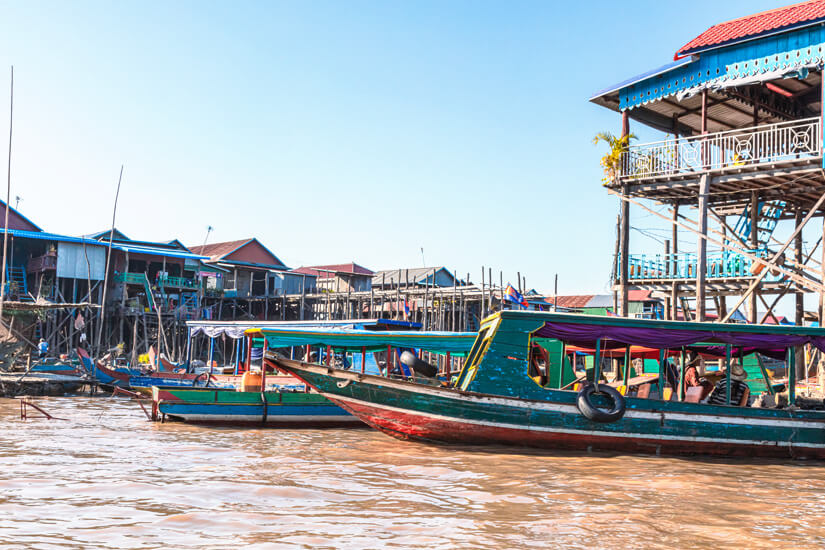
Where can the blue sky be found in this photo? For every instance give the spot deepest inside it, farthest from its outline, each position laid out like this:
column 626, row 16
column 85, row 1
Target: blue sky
column 338, row 131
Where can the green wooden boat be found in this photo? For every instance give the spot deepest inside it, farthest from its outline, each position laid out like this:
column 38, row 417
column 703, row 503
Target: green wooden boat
column 289, row 406
column 495, row 400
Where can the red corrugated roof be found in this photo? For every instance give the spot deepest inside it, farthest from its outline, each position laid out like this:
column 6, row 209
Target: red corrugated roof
column 219, row 250
column 328, row 270
column 573, row 301
column 638, row 295
column 754, row 25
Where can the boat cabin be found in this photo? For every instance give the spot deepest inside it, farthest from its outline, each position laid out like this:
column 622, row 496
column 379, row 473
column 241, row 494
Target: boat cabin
column 525, row 354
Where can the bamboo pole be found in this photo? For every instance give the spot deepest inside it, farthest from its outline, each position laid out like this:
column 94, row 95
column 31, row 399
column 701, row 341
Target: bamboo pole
column 8, row 198
column 108, row 263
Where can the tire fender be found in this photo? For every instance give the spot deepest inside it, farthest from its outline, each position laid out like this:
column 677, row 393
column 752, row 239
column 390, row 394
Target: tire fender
column 596, row 414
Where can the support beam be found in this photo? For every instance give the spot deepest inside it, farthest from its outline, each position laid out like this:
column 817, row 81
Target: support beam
column 625, row 244
column 799, row 312
column 754, row 244
column 702, row 246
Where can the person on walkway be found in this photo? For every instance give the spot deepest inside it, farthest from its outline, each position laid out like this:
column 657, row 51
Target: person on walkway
column 42, row 348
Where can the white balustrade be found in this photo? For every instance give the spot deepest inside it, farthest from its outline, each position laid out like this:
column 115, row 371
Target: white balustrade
column 745, row 147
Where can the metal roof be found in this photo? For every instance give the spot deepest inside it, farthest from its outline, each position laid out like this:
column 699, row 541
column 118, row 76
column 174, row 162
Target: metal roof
column 755, row 26
column 155, row 251
column 43, row 236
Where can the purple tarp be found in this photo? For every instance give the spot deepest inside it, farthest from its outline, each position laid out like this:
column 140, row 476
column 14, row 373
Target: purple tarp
column 665, row 338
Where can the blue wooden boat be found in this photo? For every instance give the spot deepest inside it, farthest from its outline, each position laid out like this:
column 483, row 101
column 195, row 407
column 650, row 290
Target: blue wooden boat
column 504, row 396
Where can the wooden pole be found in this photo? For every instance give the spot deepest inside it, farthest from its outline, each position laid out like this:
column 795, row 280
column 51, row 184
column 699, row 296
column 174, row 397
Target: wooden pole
column 108, row 263
column 625, row 244
column 674, row 288
column 8, row 198
column 702, row 246
column 754, row 244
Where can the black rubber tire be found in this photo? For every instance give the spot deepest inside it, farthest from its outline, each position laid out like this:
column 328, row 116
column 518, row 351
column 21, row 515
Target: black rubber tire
column 596, row 414
column 198, row 377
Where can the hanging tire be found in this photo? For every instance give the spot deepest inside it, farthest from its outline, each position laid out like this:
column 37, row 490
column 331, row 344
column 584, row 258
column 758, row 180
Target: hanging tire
column 596, row 414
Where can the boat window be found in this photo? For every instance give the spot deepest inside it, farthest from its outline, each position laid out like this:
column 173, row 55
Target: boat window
column 477, row 345
column 475, row 356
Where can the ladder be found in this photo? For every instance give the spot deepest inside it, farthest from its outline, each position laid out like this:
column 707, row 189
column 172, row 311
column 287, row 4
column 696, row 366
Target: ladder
column 16, row 282
column 768, row 217
column 150, row 298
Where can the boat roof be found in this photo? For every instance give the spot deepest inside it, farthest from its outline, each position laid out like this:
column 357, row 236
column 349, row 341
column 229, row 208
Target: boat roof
column 584, row 330
column 580, row 319
column 458, row 343
column 236, row 329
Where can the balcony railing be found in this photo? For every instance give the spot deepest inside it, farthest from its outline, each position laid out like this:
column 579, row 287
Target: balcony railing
column 47, row 262
column 745, row 147
column 130, row 278
column 178, row 282
column 720, row 265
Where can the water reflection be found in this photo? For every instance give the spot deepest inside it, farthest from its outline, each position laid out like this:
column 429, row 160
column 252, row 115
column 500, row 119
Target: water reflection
column 109, row 478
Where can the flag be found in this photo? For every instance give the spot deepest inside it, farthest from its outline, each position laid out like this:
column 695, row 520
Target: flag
column 406, row 310
column 515, row 296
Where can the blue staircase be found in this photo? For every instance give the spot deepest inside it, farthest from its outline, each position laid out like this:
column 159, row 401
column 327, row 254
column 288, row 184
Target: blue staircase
column 769, row 214
column 16, row 282
column 150, row 298
column 189, row 300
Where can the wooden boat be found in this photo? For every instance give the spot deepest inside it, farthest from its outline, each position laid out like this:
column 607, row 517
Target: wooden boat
column 292, row 406
column 283, row 409
column 495, row 400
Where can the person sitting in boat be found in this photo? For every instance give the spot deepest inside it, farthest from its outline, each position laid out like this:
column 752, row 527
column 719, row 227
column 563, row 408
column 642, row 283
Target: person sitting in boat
column 692, row 379
column 42, row 348
column 738, row 387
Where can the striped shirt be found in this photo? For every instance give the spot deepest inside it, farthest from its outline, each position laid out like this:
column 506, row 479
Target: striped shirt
column 718, row 395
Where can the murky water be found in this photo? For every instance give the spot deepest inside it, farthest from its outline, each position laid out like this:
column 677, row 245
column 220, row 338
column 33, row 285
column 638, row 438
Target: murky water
column 108, row 478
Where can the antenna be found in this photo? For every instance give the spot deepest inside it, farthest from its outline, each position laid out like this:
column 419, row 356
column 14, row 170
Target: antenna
column 423, row 263
column 17, row 200
column 208, row 231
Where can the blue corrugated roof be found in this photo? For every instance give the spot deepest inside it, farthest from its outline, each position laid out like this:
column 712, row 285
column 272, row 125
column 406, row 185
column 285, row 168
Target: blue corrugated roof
column 43, row 236
column 638, row 78
column 117, row 246
column 168, row 252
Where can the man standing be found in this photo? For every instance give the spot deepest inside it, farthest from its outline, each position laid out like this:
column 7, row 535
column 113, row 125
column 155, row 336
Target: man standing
column 42, row 348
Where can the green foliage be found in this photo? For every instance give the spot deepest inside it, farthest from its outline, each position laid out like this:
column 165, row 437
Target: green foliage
column 612, row 162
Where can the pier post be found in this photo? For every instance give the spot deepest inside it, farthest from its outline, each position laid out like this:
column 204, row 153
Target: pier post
column 702, row 247
column 754, row 243
column 624, row 263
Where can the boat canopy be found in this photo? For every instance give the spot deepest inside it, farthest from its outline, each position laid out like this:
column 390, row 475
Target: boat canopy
column 236, row 329
column 455, row 343
column 616, row 332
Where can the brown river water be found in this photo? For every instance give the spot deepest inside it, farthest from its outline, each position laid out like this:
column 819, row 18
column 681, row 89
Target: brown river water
column 108, row 478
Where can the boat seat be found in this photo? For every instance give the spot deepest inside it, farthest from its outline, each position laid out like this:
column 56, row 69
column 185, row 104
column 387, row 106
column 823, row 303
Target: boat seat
column 643, row 391
column 693, row 394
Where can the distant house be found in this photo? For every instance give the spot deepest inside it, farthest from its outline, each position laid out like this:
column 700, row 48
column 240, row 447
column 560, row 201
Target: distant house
column 643, row 304
column 340, row 277
column 433, row 276
column 17, row 221
column 250, row 267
